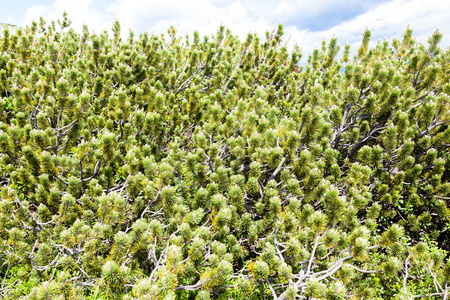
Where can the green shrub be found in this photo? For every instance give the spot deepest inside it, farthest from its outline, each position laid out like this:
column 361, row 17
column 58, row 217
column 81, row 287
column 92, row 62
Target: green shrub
column 215, row 168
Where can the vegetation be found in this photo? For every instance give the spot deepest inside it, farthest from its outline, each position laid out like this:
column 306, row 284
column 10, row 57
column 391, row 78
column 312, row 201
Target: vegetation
column 212, row 168
column 12, row 29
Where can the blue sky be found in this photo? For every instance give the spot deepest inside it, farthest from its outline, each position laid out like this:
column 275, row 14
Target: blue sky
column 306, row 22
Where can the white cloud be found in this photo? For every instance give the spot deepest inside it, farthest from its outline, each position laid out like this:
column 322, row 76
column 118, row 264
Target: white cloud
column 186, row 16
column 384, row 19
column 80, row 12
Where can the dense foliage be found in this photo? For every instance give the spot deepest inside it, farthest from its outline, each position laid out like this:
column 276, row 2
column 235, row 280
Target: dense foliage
column 163, row 167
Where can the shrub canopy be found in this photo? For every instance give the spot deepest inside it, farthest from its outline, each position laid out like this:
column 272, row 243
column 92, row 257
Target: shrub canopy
column 213, row 168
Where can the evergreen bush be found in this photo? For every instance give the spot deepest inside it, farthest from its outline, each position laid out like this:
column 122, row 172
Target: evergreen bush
column 214, row 168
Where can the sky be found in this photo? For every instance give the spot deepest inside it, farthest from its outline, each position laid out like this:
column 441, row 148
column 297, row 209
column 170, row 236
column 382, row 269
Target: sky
column 306, row 23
